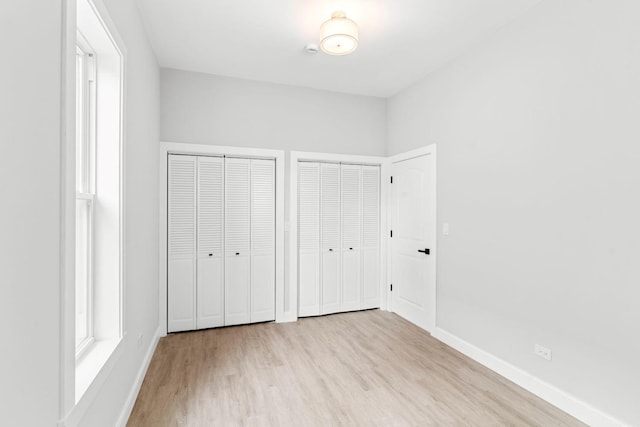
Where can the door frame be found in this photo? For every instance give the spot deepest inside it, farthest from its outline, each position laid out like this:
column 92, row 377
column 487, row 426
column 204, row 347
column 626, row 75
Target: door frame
column 167, row 148
column 422, row 151
column 292, row 226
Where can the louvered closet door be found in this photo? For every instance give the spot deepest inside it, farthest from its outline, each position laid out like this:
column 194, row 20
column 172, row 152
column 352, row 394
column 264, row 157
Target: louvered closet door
column 370, row 237
column 263, row 273
column 309, row 239
column 330, row 236
column 237, row 234
column 351, row 236
column 210, row 290
column 181, row 248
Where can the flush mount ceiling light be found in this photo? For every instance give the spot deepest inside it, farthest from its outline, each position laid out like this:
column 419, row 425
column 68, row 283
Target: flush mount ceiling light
column 338, row 35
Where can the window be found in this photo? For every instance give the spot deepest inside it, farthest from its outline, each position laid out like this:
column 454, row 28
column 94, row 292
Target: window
column 85, row 193
column 99, row 164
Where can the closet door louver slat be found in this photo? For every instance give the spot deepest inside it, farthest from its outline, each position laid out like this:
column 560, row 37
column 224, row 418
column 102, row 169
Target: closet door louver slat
column 237, row 206
column 370, row 206
column 210, row 205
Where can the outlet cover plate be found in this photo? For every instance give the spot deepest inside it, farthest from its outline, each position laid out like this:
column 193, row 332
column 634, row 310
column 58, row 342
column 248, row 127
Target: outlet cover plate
column 543, row 352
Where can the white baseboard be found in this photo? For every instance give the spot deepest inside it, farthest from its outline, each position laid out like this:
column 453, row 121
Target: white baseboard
column 559, row 398
column 135, row 389
column 287, row 317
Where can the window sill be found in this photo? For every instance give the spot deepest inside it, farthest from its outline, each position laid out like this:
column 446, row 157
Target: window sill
column 95, row 365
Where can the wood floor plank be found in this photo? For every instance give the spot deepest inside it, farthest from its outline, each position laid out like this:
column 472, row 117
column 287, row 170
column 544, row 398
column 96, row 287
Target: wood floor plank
column 369, row 368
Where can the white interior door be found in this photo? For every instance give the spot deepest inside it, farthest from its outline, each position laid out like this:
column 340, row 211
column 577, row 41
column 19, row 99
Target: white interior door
column 370, row 252
column 237, row 235
column 351, row 193
column 263, row 251
column 330, row 232
column 181, row 256
column 413, row 219
column 210, row 265
column 308, row 239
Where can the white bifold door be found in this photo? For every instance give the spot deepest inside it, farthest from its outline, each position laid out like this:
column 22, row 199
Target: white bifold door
column 210, row 262
column 181, row 224
column 338, row 229
column 309, row 239
column 330, row 238
column 263, row 235
column 221, row 242
column 370, row 250
column 351, row 201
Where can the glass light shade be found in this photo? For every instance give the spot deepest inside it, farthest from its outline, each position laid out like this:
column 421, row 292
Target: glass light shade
column 338, row 35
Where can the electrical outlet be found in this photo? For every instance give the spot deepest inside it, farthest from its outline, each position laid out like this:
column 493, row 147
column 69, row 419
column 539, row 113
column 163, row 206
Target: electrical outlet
column 445, row 229
column 541, row 351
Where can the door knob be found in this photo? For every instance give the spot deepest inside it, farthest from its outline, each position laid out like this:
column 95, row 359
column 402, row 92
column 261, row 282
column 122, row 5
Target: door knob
column 425, row 251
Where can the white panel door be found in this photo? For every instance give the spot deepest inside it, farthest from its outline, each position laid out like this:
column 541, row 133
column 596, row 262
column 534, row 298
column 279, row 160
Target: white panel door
column 263, row 232
column 181, row 256
column 237, row 234
column 370, row 237
column 330, row 236
column 351, row 194
column 413, row 270
column 308, row 239
column 210, row 289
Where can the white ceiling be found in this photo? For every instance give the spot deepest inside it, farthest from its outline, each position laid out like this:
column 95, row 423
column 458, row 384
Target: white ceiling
column 400, row 40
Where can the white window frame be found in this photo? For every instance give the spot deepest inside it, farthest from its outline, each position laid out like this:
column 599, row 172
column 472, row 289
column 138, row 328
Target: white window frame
column 85, row 173
column 86, row 375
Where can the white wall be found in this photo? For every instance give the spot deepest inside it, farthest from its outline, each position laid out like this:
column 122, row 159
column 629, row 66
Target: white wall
column 141, row 213
column 537, row 133
column 30, row 211
column 207, row 109
column 30, row 219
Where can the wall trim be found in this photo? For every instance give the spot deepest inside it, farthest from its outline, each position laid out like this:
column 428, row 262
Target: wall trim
column 282, row 315
column 135, row 388
column 555, row 396
column 296, row 156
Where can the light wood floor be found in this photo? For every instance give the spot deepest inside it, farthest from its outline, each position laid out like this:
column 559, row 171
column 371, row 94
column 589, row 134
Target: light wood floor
column 367, row 368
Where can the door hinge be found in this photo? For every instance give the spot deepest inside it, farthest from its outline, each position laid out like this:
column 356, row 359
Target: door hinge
column 391, row 287
column 391, row 233
column 392, row 180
